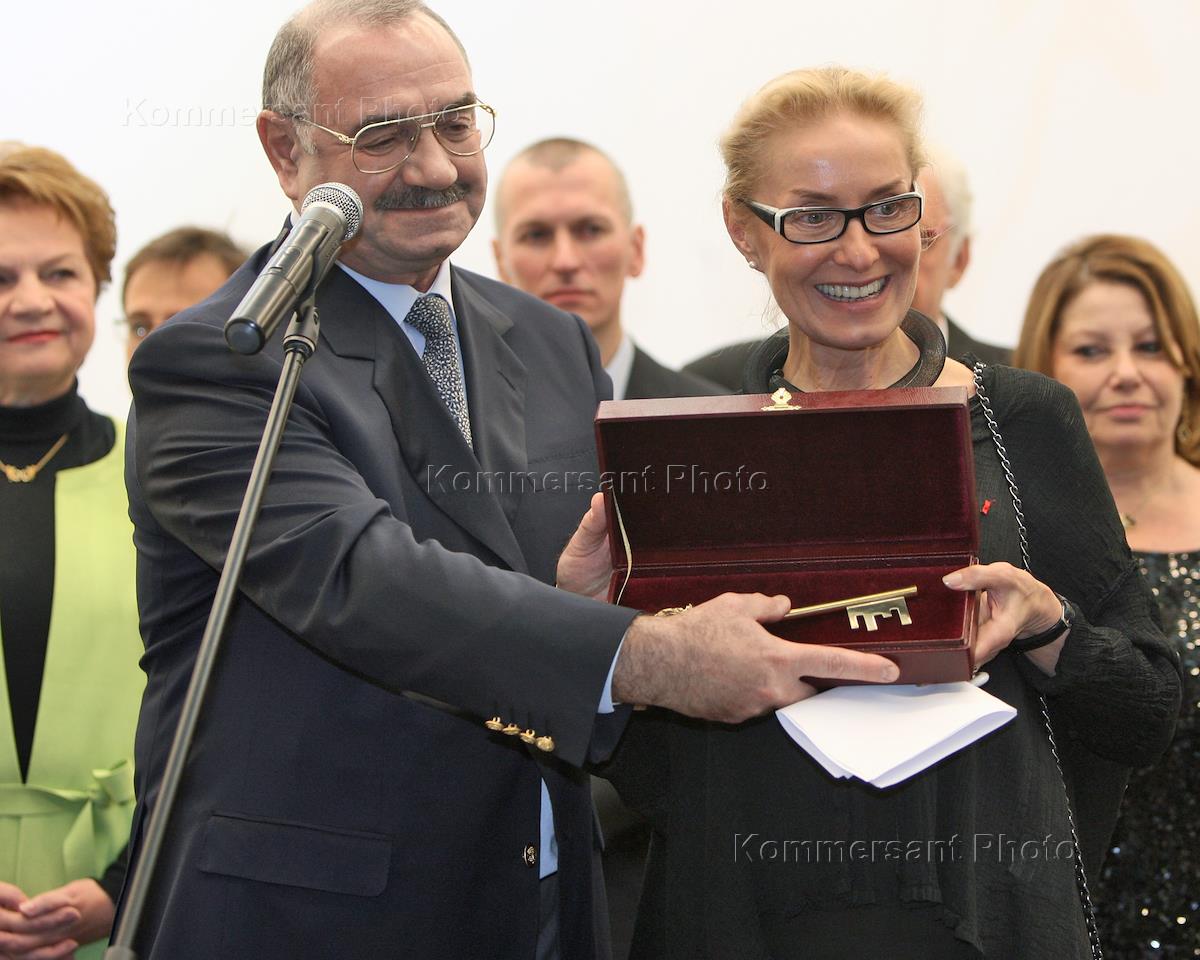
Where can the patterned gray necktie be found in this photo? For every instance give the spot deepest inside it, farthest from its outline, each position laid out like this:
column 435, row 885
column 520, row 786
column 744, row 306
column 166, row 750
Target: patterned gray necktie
column 431, row 315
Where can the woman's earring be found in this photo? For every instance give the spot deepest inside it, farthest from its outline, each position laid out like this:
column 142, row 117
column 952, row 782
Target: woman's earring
column 1183, row 432
column 752, row 265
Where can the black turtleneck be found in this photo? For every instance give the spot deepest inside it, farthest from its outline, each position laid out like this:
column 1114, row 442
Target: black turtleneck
column 27, row 547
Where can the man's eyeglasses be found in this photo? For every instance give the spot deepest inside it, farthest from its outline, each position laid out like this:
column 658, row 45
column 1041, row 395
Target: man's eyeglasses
column 821, row 224
column 929, row 236
column 462, row 130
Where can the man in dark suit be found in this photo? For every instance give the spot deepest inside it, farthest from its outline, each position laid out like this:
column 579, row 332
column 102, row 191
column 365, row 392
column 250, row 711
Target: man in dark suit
column 388, row 762
column 565, row 233
column 945, row 255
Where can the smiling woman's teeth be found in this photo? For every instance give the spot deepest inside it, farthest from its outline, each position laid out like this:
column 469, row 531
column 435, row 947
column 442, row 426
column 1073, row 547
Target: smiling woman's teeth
column 841, row 291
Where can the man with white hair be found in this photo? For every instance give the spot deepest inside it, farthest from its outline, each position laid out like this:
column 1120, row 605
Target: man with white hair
column 946, row 252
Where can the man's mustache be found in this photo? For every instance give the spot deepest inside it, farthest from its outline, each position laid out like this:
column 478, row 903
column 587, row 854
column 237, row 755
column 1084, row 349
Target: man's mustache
column 420, row 198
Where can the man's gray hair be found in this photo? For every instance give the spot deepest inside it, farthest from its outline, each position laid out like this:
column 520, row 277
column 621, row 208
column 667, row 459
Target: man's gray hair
column 288, row 73
column 951, row 176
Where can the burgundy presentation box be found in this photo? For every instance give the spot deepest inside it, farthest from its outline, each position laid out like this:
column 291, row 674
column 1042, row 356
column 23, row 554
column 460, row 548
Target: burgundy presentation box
column 819, row 496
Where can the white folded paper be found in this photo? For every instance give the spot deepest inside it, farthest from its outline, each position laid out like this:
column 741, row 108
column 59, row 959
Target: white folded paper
column 885, row 734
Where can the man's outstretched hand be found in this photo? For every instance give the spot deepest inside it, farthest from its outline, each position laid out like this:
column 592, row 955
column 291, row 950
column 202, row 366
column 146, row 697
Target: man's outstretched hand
column 717, row 662
column 714, row 661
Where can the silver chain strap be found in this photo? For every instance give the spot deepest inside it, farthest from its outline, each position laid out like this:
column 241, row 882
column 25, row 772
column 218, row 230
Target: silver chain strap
column 1085, row 898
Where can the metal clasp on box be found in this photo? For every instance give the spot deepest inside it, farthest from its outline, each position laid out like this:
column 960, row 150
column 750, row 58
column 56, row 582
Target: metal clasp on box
column 781, row 399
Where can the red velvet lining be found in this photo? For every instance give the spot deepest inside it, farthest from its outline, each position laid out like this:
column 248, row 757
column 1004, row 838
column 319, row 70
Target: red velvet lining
column 854, row 493
column 939, row 614
column 714, row 479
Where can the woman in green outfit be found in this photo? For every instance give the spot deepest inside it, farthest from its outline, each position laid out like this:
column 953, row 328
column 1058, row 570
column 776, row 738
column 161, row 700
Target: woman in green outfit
column 70, row 685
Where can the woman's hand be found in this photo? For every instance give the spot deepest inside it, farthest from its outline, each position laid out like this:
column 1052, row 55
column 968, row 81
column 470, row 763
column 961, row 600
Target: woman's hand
column 51, row 925
column 1013, row 605
column 585, row 566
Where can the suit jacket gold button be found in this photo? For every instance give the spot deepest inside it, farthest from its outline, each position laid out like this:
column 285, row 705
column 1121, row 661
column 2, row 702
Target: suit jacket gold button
column 528, row 736
column 529, row 855
column 545, row 744
column 495, row 724
column 511, row 729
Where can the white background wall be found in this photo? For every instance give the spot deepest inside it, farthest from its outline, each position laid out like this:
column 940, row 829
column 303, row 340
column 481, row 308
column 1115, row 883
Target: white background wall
column 1072, row 116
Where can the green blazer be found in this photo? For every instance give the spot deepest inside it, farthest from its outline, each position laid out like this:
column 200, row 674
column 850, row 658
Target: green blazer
column 71, row 819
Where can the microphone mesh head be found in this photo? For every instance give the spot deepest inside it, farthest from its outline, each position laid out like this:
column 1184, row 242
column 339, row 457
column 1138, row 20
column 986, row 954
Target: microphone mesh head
column 341, row 197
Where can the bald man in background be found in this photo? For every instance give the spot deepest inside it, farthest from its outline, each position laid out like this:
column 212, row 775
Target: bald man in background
column 565, row 233
column 945, row 256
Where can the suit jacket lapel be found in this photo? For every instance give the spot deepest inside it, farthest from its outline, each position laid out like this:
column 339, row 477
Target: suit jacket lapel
column 495, row 391
column 428, row 437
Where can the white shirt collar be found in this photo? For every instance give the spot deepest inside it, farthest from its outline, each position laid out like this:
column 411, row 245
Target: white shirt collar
column 397, row 298
column 620, row 366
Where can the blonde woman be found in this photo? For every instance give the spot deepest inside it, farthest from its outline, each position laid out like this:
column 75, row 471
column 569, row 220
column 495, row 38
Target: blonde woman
column 972, row 857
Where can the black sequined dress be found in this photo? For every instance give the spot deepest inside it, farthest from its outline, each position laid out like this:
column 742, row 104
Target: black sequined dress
column 1148, row 895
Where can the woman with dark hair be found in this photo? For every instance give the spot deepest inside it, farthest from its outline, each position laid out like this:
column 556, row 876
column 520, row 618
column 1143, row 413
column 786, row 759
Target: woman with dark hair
column 68, row 617
column 1112, row 318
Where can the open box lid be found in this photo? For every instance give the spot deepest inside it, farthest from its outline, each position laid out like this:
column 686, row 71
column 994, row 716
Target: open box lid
column 833, row 475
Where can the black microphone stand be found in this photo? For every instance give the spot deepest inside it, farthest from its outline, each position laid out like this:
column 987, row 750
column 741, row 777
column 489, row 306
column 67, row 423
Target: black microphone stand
column 299, row 344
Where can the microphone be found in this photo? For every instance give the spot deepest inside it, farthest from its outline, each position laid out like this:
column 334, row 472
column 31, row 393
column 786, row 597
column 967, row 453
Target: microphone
column 330, row 215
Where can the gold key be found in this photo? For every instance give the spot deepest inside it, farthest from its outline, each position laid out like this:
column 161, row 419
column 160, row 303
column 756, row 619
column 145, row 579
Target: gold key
column 867, row 612
column 863, row 610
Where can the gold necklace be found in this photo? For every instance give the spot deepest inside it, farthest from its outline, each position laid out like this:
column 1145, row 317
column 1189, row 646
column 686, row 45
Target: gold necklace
column 1128, row 518
column 27, row 474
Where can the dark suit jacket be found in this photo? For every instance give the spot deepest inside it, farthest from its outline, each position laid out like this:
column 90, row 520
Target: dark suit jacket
column 960, row 343
column 323, row 813
column 649, row 379
column 725, row 364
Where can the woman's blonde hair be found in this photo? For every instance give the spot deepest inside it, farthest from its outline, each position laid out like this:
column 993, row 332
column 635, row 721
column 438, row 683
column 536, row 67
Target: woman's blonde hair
column 43, row 178
column 804, row 97
column 1136, row 263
